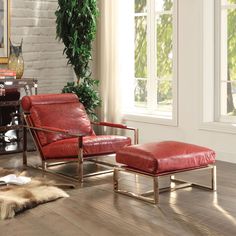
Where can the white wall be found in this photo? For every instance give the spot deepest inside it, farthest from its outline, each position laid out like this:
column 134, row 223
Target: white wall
column 34, row 21
column 189, row 88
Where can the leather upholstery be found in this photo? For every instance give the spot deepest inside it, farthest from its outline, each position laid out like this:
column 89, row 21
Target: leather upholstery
column 92, row 146
column 69, row 116
column 45, row 99
column 109, row 124
column 65, row 112
column 159, row 157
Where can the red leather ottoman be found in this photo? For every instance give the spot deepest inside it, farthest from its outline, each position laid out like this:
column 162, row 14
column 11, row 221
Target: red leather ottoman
column 164, row 158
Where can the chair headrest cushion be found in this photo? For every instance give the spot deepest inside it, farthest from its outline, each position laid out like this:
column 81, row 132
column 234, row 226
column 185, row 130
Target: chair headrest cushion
column 28, row 101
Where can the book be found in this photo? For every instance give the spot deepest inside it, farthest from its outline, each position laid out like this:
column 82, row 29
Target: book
column 10, row 72
column 7, row 72
column 13, row 179
column 2, row 70
column 7, row 77
column 2, row 183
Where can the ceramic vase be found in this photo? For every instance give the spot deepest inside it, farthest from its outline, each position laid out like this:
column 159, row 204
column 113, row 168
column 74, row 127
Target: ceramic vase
column 16, row 61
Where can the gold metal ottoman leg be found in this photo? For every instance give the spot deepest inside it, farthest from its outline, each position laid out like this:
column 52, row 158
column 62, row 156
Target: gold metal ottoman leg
column 156, row 189
column 143, row 196
column 213, row 174
column 115, row 179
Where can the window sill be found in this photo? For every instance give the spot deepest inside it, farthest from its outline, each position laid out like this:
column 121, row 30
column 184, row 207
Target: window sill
column 220, row 127
column 150, row 119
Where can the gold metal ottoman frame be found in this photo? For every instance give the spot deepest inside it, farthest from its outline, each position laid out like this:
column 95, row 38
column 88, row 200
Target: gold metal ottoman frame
column 155, row 192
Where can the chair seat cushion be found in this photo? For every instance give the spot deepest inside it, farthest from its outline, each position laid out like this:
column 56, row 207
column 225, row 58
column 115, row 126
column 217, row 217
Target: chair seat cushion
column 92, row 146
column 160, row 157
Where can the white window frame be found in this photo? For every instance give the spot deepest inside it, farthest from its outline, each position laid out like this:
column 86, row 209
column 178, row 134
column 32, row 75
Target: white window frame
column 221, row 66
column 147, row 114
column 210, row 118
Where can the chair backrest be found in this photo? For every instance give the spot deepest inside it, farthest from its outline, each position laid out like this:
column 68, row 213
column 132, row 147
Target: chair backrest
column 62, row 111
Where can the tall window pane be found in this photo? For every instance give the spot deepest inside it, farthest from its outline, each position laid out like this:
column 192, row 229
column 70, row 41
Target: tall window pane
column 164, row 56
column 154, row 57
column 231, row 1
column 163, row 5
column 228, row 59
column 140, row 6
column 140, row 86
column 140, row 47
column 140, row 93
column 231, row 75
column 164, row 96
column 164, row 42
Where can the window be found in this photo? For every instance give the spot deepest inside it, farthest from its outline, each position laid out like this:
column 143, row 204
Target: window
column 155, row 58
column 219, row 70
column 225, row 64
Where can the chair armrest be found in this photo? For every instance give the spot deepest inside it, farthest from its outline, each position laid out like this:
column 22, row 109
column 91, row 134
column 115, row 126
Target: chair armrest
column 53, row 130
column 119, row 126
column 114, row 125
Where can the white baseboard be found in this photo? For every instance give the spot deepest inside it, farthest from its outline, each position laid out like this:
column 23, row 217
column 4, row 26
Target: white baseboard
column 227, row 157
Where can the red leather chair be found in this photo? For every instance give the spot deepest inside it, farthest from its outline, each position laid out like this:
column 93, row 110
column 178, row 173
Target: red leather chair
column 62, row 131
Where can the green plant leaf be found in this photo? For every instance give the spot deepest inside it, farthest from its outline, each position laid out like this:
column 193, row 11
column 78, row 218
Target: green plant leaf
column 76, row 23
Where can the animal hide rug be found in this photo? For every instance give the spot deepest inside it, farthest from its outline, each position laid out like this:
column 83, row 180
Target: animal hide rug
column 14, row 199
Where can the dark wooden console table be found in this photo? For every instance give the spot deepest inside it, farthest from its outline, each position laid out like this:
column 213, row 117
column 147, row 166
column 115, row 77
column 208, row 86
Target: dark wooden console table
column 27, row 85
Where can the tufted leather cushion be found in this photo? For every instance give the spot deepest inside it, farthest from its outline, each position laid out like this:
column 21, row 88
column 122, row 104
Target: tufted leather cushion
column 92, row 146
column 159, row 157
column 63, row 111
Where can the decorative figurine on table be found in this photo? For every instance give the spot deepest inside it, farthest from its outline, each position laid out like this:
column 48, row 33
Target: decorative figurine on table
column 16, row 61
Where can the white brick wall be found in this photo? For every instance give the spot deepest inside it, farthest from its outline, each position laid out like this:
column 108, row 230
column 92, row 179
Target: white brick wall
column 34, row 21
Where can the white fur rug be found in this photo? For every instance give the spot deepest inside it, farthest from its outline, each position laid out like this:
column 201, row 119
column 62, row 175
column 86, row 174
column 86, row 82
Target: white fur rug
column 14, row 199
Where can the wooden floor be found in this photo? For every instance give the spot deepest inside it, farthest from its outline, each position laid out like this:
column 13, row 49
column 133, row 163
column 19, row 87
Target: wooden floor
column 93, row 209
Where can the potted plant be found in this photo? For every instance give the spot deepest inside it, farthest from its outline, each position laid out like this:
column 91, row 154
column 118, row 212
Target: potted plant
column 76, row 23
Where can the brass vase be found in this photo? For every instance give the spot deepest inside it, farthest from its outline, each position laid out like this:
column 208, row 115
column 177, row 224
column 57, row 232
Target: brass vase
column 16, row 61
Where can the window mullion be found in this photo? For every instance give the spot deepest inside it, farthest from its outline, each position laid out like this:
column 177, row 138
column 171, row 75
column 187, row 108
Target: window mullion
column 175, row 61
column 224, row 63
column 218, row 43
column 152, row 85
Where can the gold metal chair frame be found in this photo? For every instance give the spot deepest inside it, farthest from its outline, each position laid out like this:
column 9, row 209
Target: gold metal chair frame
column 80, row 160
column 155, row 178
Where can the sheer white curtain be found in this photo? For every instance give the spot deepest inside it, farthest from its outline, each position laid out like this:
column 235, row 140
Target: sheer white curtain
column 114, row 56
